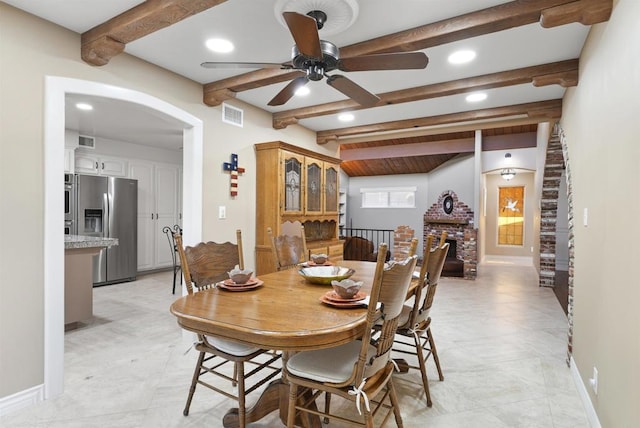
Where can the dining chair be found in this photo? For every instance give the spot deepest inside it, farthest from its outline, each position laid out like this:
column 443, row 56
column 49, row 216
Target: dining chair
column 359, row 370
column 288, row 250
column 413, row 247
column 203, row 265
column 170, row 231
column 414, row 336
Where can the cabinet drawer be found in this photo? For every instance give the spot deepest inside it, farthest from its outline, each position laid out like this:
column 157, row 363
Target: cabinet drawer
column 335, row 251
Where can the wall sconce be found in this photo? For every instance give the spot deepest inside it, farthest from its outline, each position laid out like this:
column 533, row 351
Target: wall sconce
column 508, row 173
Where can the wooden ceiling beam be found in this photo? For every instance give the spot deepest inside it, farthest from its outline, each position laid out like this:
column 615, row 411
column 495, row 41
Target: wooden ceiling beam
column 104, row 41
column 215, row 93
column 587, row 12
column 564, row 73
column 440, row 129
column 461, row 145
column 490, row 20
column 542, row 111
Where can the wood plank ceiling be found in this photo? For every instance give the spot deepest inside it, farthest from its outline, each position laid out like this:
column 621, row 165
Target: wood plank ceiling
column 108, row 39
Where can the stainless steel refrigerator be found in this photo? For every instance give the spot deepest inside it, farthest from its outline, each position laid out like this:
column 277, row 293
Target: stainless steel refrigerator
column 108, row 207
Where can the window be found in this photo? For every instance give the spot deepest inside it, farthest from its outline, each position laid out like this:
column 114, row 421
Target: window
column 511, row 215
column 389, row 197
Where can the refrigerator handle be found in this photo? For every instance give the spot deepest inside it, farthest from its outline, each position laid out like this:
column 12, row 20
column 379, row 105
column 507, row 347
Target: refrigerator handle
column 105, row 214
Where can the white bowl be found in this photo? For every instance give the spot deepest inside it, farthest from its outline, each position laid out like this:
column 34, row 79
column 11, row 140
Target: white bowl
column 325, row 274
column 319, row 259
column 240, row 276
column 347, row 288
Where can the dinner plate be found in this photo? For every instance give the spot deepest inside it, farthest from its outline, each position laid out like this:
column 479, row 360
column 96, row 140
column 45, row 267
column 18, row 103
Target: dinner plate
column 335, row 297
column 244, row 287
column 229, row 282
column 343, row 304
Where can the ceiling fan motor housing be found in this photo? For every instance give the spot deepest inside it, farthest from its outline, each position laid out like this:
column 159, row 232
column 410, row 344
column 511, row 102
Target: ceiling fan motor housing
column 315, row 68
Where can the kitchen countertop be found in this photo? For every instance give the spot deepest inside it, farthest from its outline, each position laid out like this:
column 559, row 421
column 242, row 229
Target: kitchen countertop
column 80, row 241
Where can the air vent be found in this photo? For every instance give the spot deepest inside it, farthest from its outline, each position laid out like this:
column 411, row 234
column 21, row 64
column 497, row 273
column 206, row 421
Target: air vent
column 232, row 115
column 86, row 142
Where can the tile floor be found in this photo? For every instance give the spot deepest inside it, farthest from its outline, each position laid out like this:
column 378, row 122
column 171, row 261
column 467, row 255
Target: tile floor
column 501, row 341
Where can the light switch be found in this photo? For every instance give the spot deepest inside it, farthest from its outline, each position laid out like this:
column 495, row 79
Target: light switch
column 222, row 212
column 585, row 217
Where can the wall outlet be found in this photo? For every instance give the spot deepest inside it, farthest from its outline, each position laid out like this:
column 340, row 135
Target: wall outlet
column 222, row 212
column 594, row 381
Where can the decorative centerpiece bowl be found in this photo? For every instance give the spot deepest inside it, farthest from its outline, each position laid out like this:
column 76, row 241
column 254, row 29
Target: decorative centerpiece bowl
column 240, row 276
column 325, row 274
column 347, row 288
column 319, row 259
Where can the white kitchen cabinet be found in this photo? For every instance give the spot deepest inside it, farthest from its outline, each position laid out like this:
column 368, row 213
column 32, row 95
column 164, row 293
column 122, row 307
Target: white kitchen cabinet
column 87, row 163
column 158, row 206
column 69, row 160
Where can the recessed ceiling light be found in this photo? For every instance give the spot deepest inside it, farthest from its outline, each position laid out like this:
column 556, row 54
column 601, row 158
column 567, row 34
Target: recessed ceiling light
column 302, row 91
column 219, row 45
column 346, row 117
column 84, row 106
column 476, row 96
column 462, row 57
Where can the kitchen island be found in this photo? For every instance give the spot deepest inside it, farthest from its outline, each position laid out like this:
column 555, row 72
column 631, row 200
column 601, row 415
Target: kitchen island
column 78, row 276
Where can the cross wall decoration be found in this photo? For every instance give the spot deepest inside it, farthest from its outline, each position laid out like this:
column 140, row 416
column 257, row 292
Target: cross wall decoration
column 233, row 168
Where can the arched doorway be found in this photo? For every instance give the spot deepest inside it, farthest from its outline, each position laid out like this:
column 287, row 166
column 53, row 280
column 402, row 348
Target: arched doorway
column 554, row 193
column 54, row 123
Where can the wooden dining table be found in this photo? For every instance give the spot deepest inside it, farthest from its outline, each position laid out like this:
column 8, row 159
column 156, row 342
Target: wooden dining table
column 285, row 313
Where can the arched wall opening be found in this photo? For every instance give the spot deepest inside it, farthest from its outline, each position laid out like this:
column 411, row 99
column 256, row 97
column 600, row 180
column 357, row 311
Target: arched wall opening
column 56, row 89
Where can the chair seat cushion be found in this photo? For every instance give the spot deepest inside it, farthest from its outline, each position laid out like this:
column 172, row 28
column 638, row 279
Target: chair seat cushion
column 233, row 348
column 406, row 314
column 333, row 365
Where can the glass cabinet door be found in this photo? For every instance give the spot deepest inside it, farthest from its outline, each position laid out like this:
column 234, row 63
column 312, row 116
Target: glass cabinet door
column 314, row 186
column 330, row 189
column 292, row 176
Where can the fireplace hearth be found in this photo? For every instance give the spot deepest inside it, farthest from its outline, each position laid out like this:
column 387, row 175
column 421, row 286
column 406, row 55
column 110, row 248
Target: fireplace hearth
column 452, row 265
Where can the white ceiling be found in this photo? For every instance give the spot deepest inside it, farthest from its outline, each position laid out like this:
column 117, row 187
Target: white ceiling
column 259, row 37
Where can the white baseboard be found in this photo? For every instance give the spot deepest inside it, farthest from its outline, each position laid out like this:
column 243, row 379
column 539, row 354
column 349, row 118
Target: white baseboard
column 21, row 400
column 592, row 416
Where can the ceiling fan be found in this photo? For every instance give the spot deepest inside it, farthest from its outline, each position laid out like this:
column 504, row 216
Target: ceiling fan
column 316, row 57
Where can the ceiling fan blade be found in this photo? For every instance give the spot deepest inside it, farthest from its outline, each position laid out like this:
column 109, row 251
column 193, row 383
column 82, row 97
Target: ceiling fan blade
column 210, row 64
column 304, row 30
column 289, row 91
column 392, row 61
column 353, row 90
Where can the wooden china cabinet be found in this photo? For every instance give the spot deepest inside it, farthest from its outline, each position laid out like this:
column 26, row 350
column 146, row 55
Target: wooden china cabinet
column 296, row 184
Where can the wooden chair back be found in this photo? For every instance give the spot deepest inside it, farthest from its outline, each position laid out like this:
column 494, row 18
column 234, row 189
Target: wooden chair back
column 288, row 250
column 389, row 291
column 432, row 264
column 209, row 262
column 413, row 247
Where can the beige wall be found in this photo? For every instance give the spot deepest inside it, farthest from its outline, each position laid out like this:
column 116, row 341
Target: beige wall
column 31, row 49
column 602, row 129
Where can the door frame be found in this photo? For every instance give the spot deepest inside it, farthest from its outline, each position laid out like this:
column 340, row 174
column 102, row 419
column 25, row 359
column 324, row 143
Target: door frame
column 56, row 89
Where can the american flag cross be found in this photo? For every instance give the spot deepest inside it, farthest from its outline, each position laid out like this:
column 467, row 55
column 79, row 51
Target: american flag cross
column 234, row 169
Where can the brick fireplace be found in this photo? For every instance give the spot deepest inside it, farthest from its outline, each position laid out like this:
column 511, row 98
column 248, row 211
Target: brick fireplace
column 456, row 218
